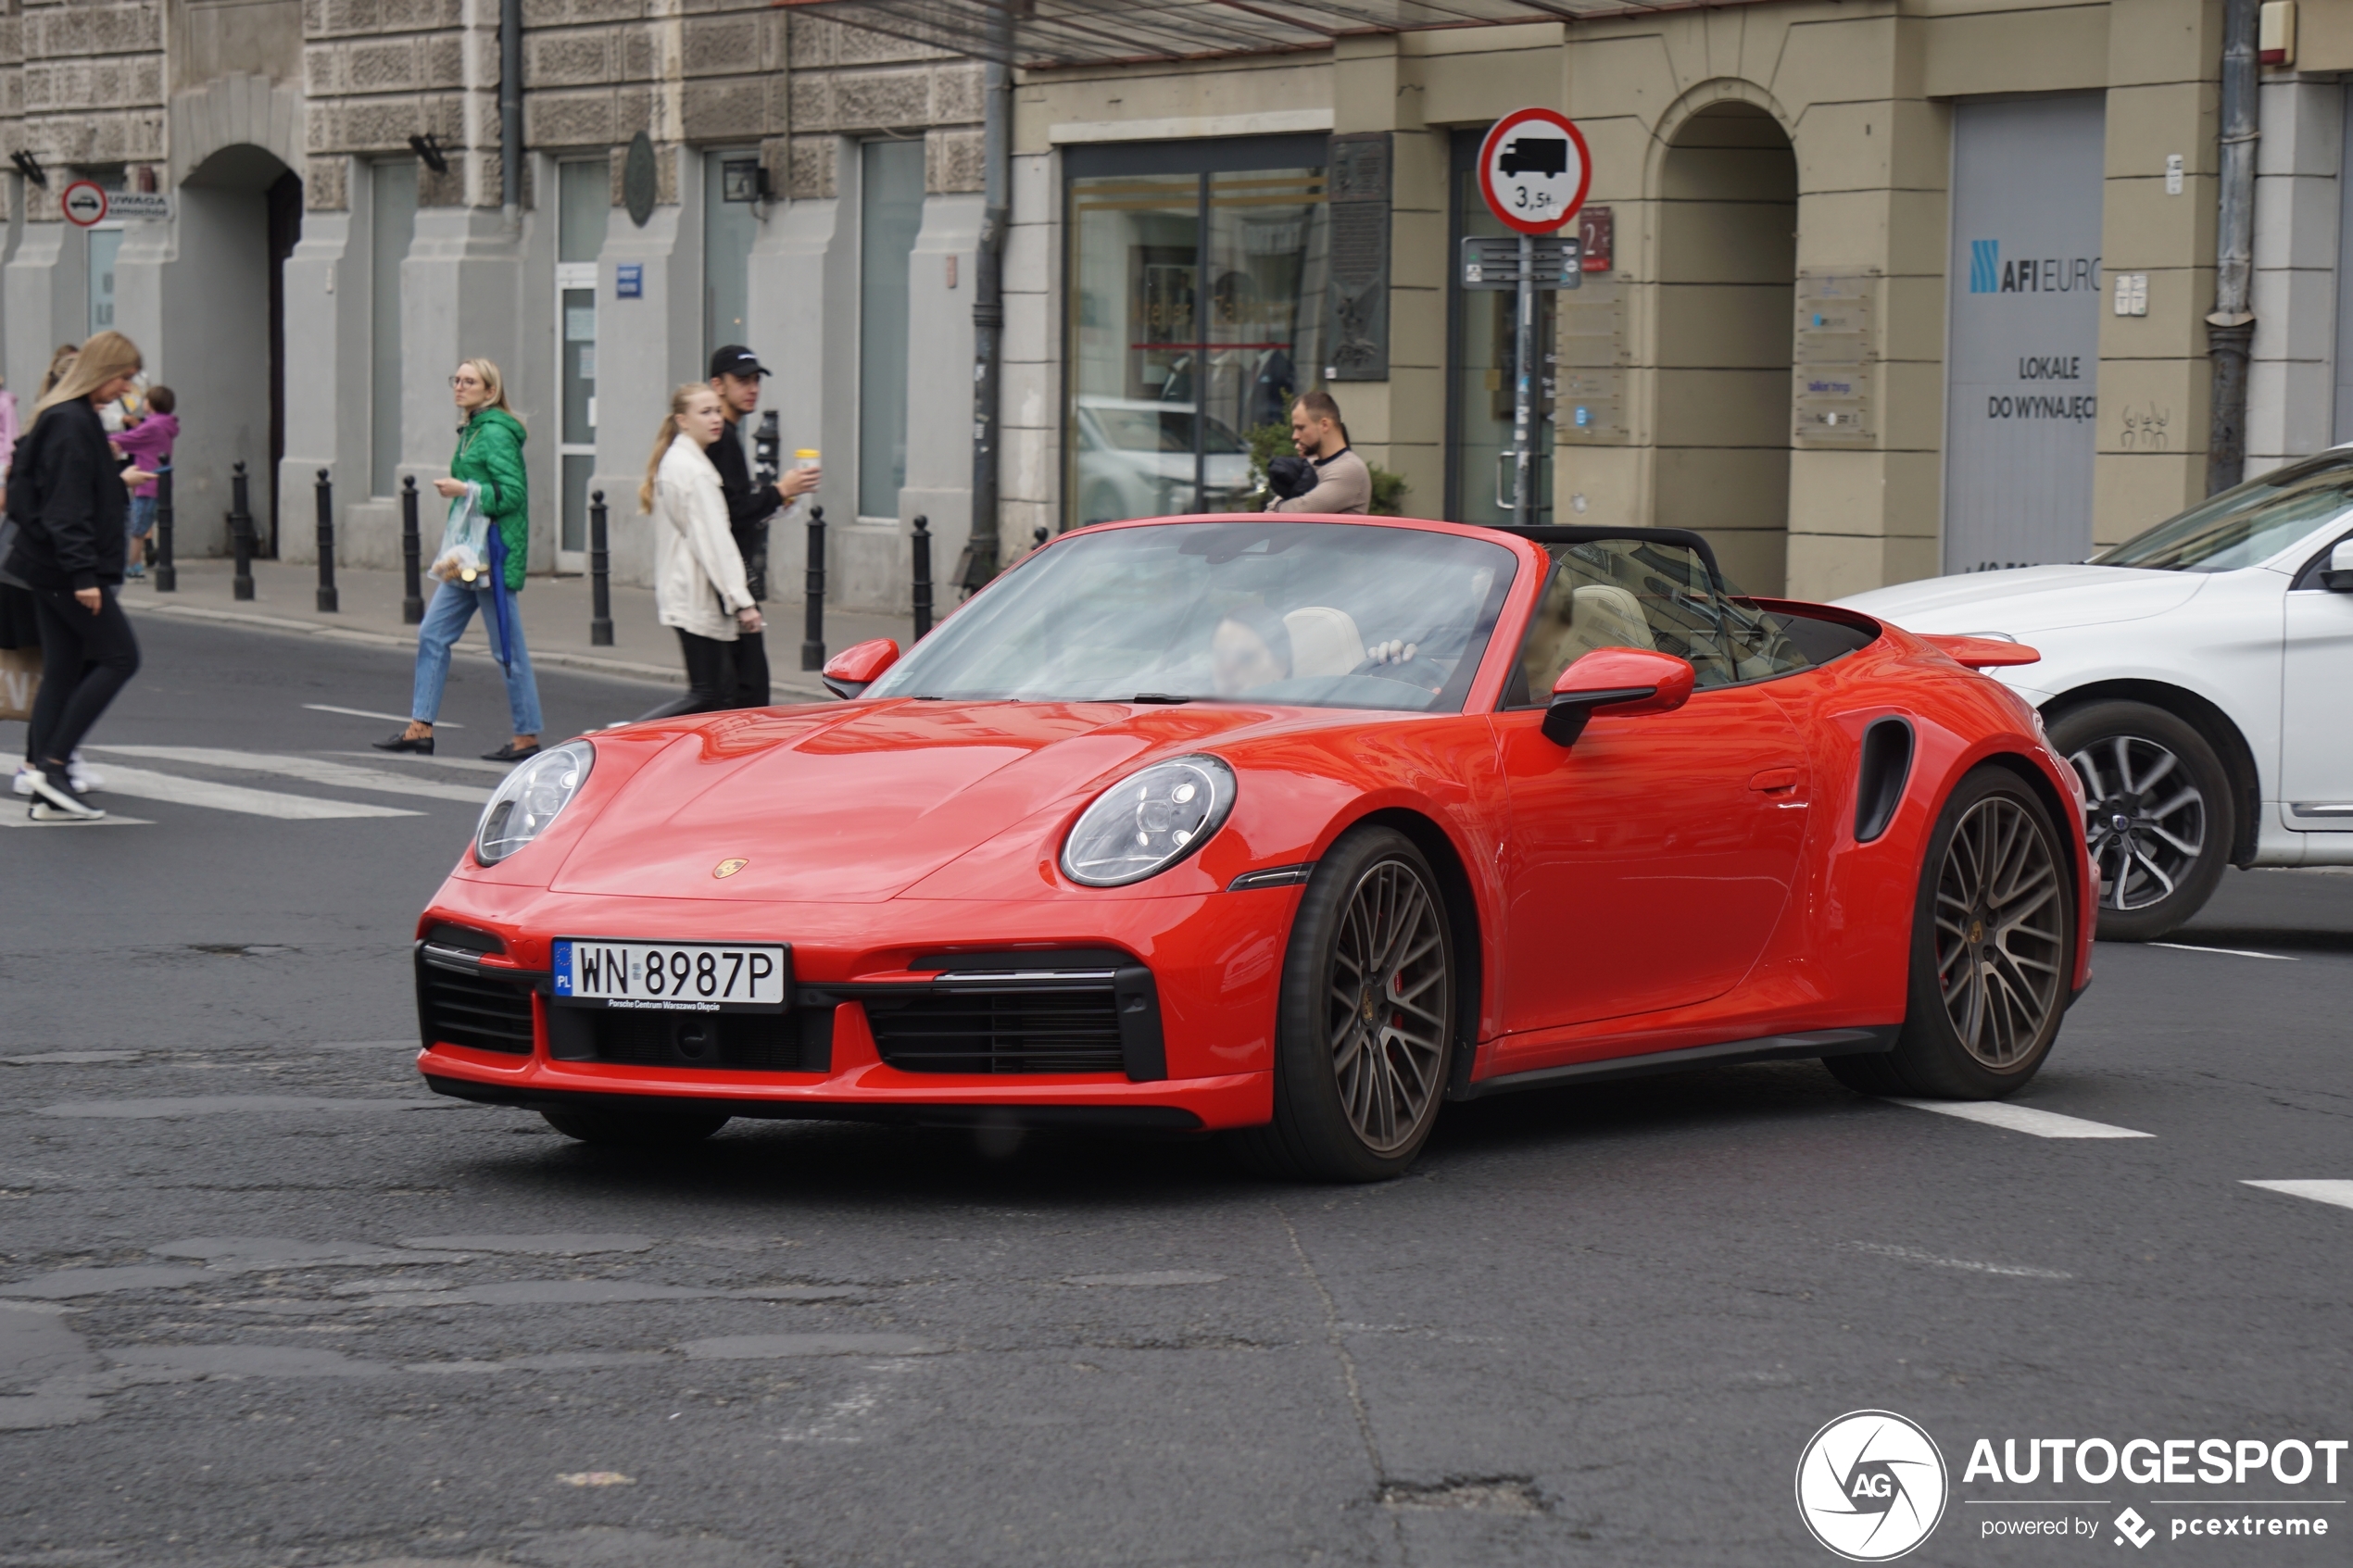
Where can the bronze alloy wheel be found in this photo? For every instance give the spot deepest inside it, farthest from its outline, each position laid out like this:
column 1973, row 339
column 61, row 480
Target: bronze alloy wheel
column 1389, row 1005
column 2001, row 932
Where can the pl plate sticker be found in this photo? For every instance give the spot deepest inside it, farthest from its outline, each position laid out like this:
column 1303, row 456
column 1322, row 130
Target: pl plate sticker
column 1870, row 1485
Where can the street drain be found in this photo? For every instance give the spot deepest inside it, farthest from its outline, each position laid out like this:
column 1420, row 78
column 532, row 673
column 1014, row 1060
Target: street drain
column 1480, row 1494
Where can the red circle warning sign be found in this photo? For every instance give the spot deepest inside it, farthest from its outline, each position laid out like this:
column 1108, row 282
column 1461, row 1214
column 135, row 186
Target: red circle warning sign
column 84, row 203
column 1534, row 171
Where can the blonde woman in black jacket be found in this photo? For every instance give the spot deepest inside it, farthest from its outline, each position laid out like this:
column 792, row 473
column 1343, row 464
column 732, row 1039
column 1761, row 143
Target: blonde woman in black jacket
column 70, row 501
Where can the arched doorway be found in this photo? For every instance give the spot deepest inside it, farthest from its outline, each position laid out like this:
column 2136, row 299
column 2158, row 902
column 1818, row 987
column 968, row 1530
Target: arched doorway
column 1728, row 272
column 221, row 344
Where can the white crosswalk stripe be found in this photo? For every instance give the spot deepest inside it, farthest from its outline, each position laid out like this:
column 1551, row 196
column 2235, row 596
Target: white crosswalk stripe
column 310, row 769
column 144, row 785
column 2338, row 1193
column 2021, row 1119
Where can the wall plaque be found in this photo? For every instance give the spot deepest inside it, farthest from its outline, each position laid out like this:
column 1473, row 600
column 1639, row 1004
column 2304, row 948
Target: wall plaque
column 1357, row 317
column 637, row 179
column 1835, row 351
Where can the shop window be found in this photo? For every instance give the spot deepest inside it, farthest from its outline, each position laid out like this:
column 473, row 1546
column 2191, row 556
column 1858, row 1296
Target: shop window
column 890, row 211
column 1197, row 274
column 392, row 222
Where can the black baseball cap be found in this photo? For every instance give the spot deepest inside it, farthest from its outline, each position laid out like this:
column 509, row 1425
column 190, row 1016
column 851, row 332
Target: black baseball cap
column 736, row 360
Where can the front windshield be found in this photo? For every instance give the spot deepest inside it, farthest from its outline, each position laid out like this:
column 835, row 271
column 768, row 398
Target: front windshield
column 2247, row 524
column 1312, row 614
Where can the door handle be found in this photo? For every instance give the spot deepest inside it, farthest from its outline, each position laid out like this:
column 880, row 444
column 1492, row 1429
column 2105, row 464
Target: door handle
column 1775, row 781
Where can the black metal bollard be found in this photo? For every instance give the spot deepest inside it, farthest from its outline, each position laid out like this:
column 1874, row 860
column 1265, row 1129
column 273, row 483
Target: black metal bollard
column 923, row 576
column 240, row 533
column 812, row 641
column 599, row 576
column 412, row 593
column 1038, row 537
column 329, row 604
column 166, row 575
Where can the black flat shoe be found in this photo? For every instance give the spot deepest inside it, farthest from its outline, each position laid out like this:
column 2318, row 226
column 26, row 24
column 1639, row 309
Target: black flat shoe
column 420, row 744
column 507, row 753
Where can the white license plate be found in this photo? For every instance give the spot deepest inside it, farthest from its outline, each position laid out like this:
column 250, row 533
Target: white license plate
column 671, row 976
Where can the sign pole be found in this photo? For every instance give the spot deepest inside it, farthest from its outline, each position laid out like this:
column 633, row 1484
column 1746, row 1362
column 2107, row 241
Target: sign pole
column 1524, row 396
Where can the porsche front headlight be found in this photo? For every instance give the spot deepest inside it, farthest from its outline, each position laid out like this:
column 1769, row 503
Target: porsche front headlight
column 1148, row 821
column 522, row 808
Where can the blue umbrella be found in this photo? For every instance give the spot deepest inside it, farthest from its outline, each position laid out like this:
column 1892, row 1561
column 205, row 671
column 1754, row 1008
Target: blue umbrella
column 501, row 608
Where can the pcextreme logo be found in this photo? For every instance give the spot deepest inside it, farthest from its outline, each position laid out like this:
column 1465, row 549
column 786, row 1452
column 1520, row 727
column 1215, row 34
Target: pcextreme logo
column 1871, row 1486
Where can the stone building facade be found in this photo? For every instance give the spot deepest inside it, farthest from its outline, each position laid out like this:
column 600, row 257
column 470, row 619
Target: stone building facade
column 335, row 239
column 1853, row 305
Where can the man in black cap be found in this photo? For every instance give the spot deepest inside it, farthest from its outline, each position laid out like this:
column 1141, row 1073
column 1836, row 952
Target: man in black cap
column 735, row 374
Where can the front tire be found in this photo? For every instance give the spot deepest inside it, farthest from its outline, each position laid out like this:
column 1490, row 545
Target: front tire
column 1365, row 1026
column 635, row 1129
column 2159, row 819
column 1992, row 946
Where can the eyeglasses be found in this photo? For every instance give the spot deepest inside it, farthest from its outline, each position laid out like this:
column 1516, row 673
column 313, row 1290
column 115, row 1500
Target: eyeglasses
column 465, row 381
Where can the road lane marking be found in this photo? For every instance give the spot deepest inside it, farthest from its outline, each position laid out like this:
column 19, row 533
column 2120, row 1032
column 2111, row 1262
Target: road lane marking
column 389, row 718
column 410, row 758
column 1968, row 1265
column 2338, row 1193
column 2021, row 1118
column 310, row 769
column 2233, row 952
column 144, row 785
column 25, row 820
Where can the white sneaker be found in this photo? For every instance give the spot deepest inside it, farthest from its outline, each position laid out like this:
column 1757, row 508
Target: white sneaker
column 26, row 773
column 50, row 803
column 83, row 778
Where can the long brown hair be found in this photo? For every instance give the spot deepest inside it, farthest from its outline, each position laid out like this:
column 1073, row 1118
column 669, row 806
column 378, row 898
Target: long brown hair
column 60, row 361
column 103, row 358
column 679, row 401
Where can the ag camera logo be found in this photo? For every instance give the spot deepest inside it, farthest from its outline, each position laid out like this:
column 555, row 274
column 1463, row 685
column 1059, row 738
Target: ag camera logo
column 1871, row 1486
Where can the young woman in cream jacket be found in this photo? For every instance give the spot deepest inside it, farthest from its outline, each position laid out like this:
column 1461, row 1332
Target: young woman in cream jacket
column 699, row 574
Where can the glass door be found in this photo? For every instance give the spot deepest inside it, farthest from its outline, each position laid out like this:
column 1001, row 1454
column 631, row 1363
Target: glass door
column 584, row 200
column 1483, row 371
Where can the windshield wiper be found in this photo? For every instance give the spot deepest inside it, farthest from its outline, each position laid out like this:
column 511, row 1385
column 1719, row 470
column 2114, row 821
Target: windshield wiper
column 1170, row 697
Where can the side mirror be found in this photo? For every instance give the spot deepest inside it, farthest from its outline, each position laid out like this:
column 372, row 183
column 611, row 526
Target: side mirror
column 1621, row 682
column 2337, row 576
column 855, row 668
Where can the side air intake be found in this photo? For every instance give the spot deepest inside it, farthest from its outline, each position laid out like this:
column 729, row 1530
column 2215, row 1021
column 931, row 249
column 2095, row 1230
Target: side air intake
column 1887, row 763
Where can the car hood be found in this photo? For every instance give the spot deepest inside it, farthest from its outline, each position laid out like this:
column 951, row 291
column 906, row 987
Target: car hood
column 855, row 803
column 2032, row 598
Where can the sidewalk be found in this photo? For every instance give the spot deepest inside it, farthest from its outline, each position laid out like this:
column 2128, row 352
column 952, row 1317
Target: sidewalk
column 555, row 611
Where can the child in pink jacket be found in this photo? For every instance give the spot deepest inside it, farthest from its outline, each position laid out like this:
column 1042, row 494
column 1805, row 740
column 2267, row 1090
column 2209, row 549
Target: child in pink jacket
column 149, row 446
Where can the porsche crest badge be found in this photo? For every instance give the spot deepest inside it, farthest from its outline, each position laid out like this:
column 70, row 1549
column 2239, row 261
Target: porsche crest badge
column 728, row 868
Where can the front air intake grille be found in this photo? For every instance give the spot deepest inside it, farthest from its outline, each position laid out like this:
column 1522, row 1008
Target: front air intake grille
column 999, row 1030
column 480, row 1009
column 773, row 1042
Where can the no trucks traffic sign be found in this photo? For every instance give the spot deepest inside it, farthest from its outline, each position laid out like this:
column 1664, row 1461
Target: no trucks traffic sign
column 1534, row 171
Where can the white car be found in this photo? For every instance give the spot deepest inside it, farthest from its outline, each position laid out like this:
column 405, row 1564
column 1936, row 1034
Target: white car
column 1136, row 459
column 2200, row 678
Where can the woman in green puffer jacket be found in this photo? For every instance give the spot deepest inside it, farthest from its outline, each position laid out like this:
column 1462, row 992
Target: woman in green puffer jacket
column 489, row 463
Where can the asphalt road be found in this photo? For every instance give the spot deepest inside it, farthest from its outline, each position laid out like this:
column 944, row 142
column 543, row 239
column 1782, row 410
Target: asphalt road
column 266, row 1301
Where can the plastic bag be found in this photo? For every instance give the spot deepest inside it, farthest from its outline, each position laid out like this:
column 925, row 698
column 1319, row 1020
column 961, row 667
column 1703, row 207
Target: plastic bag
column 464, row 556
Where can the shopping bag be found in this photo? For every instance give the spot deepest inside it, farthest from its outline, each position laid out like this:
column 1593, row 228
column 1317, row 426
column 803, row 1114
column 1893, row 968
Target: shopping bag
column 464, row 553
column 19, row 679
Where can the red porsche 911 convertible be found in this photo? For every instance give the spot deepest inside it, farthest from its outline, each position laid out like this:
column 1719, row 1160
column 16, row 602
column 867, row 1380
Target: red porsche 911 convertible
column 1290, row 828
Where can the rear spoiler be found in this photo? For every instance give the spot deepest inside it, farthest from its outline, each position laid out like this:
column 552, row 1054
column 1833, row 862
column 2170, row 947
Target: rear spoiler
column 1980, row 653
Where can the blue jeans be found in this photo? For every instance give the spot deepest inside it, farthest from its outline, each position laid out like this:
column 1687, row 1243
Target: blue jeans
column 445, row 616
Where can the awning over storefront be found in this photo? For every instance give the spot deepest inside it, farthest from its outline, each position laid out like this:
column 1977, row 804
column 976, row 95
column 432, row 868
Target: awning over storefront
column 1068, row 32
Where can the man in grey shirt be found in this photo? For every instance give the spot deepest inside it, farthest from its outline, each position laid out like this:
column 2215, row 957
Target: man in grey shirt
column 1342, row 482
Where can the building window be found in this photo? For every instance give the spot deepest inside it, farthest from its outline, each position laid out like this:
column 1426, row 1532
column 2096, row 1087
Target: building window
column 105, row 244
column 1196, row 298
column 890, row 211
column 392, row 222
column 583, row 202
column 728, row 229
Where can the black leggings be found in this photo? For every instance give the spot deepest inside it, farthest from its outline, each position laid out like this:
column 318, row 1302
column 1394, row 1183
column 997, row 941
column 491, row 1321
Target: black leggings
column 711, row 678
column 85, row 659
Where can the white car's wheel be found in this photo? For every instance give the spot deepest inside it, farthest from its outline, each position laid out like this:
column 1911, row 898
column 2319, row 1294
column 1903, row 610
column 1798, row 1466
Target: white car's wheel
column 2159, row 822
